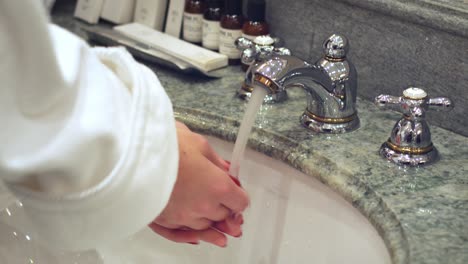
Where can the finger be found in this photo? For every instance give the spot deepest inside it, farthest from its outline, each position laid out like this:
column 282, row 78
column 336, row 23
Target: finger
column 235, row 199
column 226, row 164
column 164, row 222
column 214, row 237
column 220, row 214
column 200, row 224
column 212, row 156
column 231, row 225
column 191, row 236
column 230, row 193
column 235, row 180
column 176, row 235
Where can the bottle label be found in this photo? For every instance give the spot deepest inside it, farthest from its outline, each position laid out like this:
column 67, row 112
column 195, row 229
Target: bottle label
column 227, row 37
column 210, row 34
column 193, row 27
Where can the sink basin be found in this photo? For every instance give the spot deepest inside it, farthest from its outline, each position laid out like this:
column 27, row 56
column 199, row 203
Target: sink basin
column 293, row 218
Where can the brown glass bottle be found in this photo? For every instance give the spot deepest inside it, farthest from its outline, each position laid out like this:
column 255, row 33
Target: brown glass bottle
column 255, row 25
column 231, row 29
column 211, row 24
column 193, row 19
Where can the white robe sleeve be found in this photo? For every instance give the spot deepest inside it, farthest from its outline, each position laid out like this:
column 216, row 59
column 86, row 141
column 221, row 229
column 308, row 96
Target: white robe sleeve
column 88, row 139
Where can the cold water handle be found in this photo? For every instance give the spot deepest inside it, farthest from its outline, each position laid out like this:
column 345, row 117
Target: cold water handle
column 410, row 140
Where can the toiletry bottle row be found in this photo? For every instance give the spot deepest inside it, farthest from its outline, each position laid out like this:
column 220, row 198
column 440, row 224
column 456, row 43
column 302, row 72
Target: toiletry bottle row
column 193, row 17
column 231, row 29
column 211, row 25
column 255, row 25
column 216, row 24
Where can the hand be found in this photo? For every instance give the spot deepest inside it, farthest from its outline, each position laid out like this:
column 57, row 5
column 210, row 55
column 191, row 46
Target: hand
column 205, row 201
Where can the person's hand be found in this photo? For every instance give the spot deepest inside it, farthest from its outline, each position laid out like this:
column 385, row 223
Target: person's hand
column 205, row 202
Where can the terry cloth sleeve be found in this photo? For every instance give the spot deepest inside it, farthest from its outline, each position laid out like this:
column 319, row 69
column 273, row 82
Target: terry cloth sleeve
column 88, row 139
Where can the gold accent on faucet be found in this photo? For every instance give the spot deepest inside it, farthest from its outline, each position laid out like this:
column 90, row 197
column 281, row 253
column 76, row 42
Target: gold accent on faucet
column 330, row 85
column 247, row 87
column 330, row 120
column 409, row 150
column 267, row 83
column 335, row 59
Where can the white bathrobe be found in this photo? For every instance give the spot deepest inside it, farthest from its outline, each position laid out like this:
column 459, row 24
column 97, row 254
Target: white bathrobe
column 87, row 138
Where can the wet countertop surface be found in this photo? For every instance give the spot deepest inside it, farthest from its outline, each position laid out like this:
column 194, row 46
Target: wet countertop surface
column 421, row 213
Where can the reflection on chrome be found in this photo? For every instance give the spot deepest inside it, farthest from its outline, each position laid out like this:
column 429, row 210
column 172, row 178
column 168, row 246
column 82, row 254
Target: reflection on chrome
column 253, row 51
column 330, row 84
column 410, row 140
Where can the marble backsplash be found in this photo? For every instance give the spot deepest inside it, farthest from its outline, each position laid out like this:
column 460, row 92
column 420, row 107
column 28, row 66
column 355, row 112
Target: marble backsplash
column 391, row 50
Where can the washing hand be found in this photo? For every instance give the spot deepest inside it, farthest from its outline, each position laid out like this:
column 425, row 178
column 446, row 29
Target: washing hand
column 206, row 204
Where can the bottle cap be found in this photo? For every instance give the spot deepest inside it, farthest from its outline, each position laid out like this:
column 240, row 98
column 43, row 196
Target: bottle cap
column 264, row 40
column 233, row 7
column 256, row 10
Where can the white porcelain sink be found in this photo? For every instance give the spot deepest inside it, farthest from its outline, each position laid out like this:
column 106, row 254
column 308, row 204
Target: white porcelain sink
column 293, row 218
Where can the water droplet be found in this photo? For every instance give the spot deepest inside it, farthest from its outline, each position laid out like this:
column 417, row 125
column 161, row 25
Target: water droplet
column 423, row 211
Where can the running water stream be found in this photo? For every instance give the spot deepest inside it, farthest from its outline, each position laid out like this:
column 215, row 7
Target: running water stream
column 255, row 102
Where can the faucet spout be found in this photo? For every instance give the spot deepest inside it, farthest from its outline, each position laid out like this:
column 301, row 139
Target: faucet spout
column 330, row 85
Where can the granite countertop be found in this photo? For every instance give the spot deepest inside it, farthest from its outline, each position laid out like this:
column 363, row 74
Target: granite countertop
column 421, row 213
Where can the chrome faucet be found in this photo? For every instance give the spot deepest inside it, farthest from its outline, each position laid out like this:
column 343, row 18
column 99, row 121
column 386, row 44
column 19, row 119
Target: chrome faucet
column 330, row 84
column 410, row 140
column 259, row 49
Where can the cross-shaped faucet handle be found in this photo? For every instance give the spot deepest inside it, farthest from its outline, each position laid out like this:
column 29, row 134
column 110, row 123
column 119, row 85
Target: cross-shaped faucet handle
column 260, row 48
column 414, row 102
column 410, row 140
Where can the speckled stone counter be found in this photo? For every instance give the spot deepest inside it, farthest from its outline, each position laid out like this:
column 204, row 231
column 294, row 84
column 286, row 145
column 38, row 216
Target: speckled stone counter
column 421, row 213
